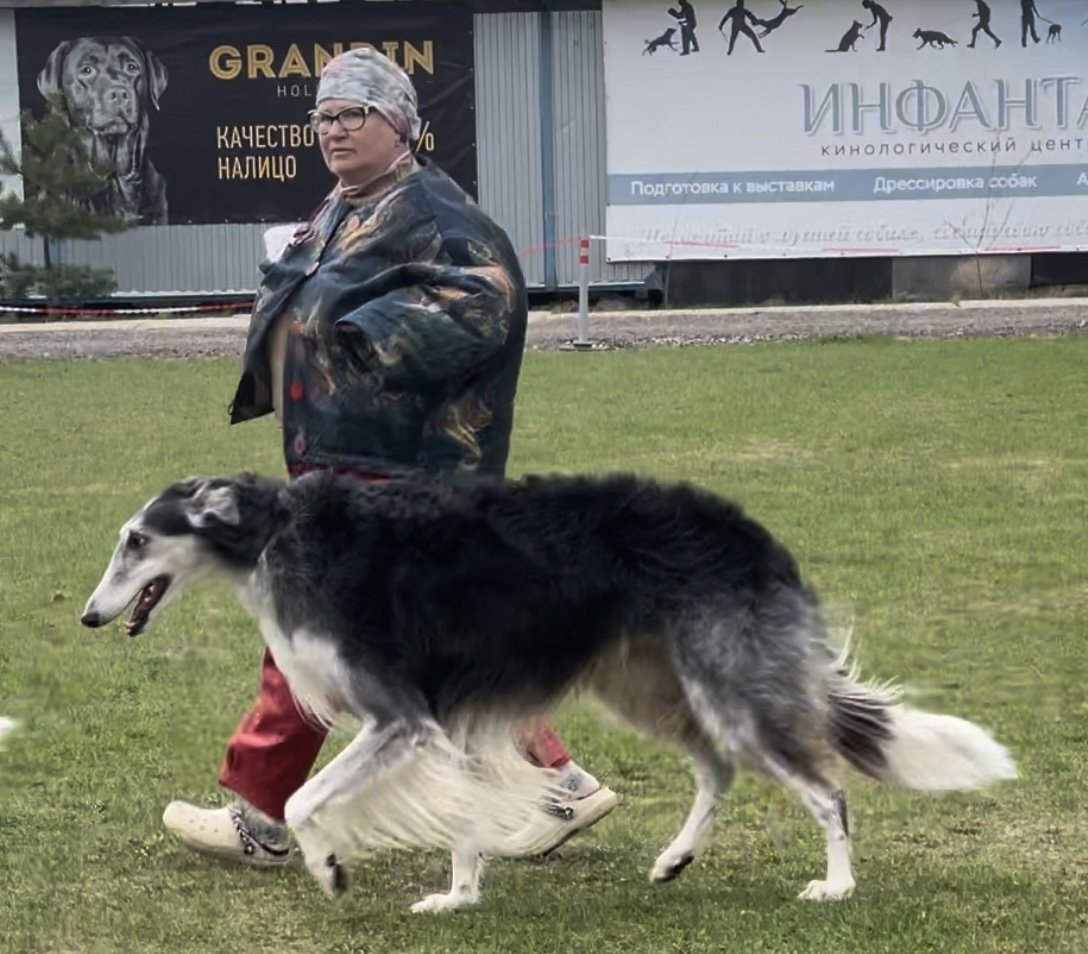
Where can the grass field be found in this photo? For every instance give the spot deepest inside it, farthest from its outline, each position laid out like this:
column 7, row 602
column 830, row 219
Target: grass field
column 937, row 489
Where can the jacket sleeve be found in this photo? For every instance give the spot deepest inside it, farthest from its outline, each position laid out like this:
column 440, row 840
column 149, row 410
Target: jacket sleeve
column 437, row 322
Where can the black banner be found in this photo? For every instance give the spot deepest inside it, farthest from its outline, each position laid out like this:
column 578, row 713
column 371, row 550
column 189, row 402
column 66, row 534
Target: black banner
column 200, row 113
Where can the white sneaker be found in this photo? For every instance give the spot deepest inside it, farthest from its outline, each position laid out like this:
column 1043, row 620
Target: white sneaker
column 228, row 833
column 559, row 821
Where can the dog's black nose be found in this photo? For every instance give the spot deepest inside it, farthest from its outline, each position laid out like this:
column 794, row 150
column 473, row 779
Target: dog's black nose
column 91, row 619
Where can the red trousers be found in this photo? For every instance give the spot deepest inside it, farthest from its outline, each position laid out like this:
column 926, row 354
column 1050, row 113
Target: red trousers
column 272, row 751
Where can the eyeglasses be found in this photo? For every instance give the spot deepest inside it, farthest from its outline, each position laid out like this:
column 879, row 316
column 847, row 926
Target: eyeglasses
column 351, row 119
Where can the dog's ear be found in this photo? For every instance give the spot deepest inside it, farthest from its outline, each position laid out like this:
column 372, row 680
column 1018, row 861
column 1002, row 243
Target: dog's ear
column 51, row 78
column 210, row 506
column 155, row 72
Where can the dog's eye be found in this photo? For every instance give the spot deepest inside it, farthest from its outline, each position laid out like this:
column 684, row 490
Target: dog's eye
column 86, row 70
column 136, row 541
column 132, row 67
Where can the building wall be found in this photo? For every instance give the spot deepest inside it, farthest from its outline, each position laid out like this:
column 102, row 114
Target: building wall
column 9, row 94
column 509, row 131
column 542, row 180
column 579, row 147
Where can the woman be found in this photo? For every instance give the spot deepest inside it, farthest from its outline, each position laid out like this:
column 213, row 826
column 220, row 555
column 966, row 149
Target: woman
column 387, row 339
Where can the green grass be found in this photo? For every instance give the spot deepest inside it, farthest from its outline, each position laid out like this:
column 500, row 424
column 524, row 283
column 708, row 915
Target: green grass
column 937, row 490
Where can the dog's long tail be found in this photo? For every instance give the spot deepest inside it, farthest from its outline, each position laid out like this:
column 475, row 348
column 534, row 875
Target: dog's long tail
column 900, row 746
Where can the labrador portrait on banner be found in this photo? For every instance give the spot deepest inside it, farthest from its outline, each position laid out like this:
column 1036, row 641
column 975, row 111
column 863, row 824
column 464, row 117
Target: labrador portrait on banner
column 109, row 89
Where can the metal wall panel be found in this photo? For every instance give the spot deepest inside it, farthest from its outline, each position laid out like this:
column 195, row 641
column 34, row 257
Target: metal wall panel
column 508, row 131
column 177, row 258
column 9, row 95
column 170, row 259
column 579, row 131
column 27, row 250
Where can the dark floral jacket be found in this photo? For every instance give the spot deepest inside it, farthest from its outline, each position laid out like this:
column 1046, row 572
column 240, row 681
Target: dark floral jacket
column 407, row 312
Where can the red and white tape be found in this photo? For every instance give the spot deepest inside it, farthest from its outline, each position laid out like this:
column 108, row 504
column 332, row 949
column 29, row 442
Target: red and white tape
column 104, row 312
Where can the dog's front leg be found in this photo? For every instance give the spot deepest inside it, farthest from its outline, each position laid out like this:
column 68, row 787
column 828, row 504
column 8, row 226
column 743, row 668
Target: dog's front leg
column 465, row 887
column 370, row 755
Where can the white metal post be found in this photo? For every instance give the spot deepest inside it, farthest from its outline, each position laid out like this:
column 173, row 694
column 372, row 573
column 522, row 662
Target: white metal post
column 582, row 340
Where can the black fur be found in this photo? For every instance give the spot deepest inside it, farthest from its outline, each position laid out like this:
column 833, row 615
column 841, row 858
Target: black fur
column 839, row 797
column 507, row 593
column 443, row 596
column 260, row 510
column 860, row 730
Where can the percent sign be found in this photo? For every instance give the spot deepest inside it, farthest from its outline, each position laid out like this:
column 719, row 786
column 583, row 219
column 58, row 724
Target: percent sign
column 426, row 138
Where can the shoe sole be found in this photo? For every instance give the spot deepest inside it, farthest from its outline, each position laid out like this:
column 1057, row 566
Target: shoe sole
column 599, row 811
column 237, row 857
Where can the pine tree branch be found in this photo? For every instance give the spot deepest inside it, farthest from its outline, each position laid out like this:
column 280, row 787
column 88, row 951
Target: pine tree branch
column 60, row 181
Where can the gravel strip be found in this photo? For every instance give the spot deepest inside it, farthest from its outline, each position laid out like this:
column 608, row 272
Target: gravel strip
column 218, row 337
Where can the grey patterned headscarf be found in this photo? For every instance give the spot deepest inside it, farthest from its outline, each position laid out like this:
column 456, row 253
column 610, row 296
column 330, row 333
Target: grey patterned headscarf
column 366, row 76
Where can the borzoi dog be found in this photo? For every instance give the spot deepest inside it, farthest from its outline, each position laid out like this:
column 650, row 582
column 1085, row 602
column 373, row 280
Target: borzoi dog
column 436, row 615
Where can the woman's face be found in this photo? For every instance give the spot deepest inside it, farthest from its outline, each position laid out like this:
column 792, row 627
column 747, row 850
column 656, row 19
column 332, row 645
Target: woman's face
column 356, row 156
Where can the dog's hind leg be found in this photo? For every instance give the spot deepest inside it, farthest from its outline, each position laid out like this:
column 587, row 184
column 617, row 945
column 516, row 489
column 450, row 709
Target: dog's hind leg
column 713, row 775
column 467, row 864
column 754, row 675
column 828, row 807
column 798, row 771
column 638, row 684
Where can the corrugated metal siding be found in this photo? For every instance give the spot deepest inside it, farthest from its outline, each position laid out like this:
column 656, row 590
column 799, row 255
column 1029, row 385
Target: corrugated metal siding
column 171, row 259
column 508, row 131
column 25, row 249
column 177, row 258
column 578, row 94
column 9, row 94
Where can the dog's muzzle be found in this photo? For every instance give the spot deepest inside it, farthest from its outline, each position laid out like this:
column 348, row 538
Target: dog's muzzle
column 146, row 600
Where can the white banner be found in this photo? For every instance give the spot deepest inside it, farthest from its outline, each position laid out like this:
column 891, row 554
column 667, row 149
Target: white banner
column 817, row 128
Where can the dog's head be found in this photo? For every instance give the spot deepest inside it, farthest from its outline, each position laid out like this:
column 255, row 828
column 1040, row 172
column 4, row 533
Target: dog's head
column 198, row 526
column 108, row 84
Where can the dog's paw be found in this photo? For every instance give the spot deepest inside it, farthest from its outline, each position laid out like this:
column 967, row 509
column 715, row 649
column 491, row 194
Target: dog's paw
column 332, row 876
column 669, row 866
column 437, row 903
column 827, row 891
